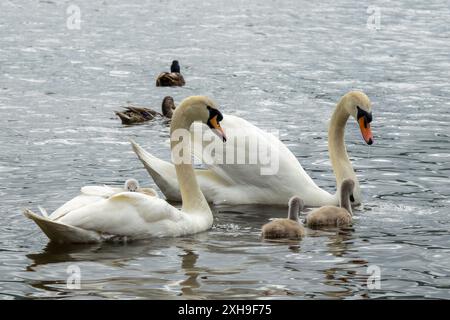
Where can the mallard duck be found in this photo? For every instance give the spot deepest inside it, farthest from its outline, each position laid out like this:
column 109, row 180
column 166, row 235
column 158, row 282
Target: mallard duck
column 133, row 114
column 168, row 107
column 172, row 78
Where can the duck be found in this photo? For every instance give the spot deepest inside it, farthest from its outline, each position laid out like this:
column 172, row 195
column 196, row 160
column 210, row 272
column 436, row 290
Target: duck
column 174, row 78
column 135, row 215
column 290, row 228
column 332, row 216
column 134, row 114
column 284, row 177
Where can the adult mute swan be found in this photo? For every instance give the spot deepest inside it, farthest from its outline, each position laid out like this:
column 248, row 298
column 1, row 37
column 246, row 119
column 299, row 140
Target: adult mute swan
column 245, row 184
column 136, row 215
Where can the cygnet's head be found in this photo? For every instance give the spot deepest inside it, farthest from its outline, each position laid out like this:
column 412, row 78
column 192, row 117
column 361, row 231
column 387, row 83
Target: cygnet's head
column 131, row 185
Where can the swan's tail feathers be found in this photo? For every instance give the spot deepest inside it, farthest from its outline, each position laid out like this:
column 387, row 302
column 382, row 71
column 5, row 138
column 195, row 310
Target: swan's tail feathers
column 162, row 172
column 43, row 211
column 62, row 233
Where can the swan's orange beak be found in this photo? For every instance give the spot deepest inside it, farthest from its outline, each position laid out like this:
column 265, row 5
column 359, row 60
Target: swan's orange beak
column 214, row 124
column 366, row 132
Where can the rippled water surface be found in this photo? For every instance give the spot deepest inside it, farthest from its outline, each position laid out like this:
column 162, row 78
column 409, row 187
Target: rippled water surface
column 279, row 64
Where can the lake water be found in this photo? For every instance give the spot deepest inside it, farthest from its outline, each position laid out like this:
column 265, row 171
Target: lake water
column 279, row 64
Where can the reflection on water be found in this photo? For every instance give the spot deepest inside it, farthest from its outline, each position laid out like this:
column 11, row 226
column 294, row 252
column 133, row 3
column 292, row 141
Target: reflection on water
column 280, row 66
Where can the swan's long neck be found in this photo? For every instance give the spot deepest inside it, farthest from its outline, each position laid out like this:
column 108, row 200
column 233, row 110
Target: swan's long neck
column 192, row 197
column 342, row 166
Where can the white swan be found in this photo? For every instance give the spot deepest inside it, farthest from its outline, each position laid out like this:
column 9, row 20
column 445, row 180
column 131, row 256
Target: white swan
column 136, row 215
column 244, row 183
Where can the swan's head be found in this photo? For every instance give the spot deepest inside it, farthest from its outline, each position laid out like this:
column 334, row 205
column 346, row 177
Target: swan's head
column 203, row 109
column 358, row 105
column 168, row 106
column 131, row 185
column 296, row 205
column 175, row 67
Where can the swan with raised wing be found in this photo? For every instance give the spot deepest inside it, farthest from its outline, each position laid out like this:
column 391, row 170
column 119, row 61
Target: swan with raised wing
column 244, row 183
column 136, row 215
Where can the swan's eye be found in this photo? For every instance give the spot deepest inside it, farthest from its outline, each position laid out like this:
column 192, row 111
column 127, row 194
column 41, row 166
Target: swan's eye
column 363, row 113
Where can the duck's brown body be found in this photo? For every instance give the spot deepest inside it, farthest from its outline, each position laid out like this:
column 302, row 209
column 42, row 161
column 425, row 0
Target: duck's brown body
column 133, row 115
column 170, row 79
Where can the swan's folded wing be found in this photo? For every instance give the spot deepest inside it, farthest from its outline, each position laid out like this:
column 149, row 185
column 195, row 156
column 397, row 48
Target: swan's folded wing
column 256, row 161
column 243, row 162
column 89, row 195
column 127, row 213
column 62, row 233
column 74, row 204
column 149, row 191
column 100, row 191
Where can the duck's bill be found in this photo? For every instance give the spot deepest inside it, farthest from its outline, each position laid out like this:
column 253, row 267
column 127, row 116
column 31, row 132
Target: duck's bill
column 366, row 132
column 214, row 124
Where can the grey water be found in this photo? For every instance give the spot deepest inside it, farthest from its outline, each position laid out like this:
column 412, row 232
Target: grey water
column 279, row 64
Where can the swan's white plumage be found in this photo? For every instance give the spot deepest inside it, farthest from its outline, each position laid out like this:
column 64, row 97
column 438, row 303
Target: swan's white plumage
column 134, row 215
column 95, row 216
column 101, row 213
column 241, row 183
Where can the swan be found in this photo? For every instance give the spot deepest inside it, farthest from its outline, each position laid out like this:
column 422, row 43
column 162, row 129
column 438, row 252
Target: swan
column 244, row 183
column 135, row 215
column 289, row 228
column 172, row 78
column 91, row 194
column 134, row 114
column 334, row 216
